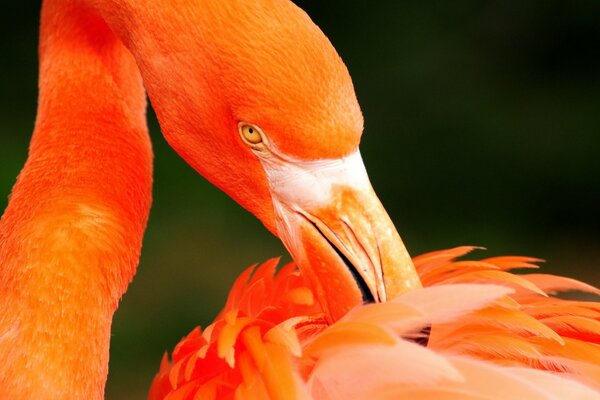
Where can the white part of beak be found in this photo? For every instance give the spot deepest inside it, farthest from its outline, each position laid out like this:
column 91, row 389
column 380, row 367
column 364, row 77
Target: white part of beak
column 308, row 183
column 335, row 228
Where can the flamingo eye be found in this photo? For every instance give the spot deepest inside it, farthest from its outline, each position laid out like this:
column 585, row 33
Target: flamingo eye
column 251, row 134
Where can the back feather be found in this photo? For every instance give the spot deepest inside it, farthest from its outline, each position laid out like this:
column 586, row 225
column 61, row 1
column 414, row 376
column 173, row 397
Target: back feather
column 494, row 335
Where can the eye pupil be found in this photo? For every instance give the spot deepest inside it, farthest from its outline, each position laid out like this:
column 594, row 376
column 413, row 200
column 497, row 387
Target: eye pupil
column 251, row 134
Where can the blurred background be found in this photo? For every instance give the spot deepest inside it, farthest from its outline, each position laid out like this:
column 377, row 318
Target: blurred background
column 482, row 127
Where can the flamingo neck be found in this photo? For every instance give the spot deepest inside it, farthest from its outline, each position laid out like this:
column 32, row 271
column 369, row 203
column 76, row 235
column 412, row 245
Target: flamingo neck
column 71, row 235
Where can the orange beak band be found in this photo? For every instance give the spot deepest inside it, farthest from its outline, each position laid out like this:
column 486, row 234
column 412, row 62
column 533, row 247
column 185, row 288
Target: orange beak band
column 337, row 231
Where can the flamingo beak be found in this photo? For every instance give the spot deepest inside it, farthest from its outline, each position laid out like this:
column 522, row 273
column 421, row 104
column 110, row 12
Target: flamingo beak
column 338, row 232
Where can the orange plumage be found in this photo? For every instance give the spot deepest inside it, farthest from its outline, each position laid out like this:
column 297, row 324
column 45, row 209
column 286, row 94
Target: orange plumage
column 492, row 335
column 71, row 236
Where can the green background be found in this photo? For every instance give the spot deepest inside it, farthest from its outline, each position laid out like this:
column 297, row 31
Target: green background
column 482, row 127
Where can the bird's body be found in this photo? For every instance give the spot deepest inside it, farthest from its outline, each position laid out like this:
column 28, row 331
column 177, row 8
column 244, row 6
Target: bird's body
column 280, row 135
column 490, row 335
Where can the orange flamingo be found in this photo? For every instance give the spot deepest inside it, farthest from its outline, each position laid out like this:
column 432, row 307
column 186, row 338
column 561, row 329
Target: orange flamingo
column 253, row 96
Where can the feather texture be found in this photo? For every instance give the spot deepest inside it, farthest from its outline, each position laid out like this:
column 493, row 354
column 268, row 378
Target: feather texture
column 494, row 335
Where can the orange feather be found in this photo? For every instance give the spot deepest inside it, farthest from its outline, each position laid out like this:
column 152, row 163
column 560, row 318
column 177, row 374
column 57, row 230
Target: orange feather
column 483, row 343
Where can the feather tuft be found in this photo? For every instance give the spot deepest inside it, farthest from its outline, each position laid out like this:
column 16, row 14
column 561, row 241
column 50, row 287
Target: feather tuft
column 493, row 335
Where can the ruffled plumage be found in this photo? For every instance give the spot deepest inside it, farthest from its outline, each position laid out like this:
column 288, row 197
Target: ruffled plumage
column 494, row 335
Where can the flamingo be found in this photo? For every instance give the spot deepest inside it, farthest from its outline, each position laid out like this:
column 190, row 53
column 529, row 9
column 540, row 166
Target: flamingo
column 254, row 97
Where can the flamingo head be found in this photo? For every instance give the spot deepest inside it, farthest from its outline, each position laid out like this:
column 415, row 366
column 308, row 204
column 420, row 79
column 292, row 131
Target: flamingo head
column 272, row 119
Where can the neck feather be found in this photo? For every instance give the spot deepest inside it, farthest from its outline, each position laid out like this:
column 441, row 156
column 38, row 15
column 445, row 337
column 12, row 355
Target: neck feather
column 71, row 235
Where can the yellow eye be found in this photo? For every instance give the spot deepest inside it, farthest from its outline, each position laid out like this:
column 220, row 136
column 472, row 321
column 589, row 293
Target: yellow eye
column 251, row 134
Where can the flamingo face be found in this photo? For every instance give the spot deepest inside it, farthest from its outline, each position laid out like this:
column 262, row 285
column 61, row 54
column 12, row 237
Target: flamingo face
column 273, row 121
column 331, row 221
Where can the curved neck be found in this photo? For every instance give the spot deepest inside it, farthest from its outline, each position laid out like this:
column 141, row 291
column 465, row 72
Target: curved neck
column 71, row 235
